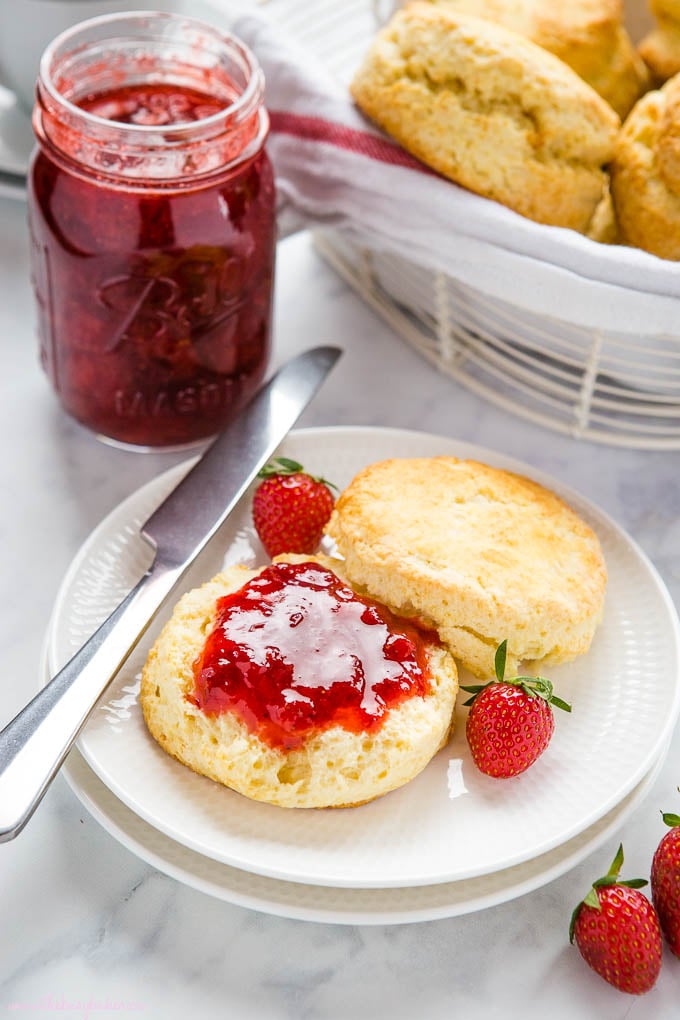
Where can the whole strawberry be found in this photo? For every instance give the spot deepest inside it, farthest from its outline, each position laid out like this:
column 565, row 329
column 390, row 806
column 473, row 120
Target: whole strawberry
column 666, row 882
column 511, row 721
column 616, row 930
column 291, row 508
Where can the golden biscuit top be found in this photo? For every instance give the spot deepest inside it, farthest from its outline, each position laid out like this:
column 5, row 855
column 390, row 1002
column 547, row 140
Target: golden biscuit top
column 477, row 528
column 668, row 139
column 666, row 9
column 588, row 35
column 646, row 173
column 495, row 69
column 549, row 25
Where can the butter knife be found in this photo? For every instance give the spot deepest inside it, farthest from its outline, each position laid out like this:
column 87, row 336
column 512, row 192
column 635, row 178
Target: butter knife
column 34, row 744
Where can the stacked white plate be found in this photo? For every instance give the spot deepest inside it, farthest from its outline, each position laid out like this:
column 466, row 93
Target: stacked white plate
column 449, row 842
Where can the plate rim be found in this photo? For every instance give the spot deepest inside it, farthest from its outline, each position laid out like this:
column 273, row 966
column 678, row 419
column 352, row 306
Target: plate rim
column 326, row 915
column 464, row 449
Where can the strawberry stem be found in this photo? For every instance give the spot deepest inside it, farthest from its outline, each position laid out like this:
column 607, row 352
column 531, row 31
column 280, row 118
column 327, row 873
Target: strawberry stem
column 286, row 466
column 281, row 466
column 614, row 868
column 611, row 878
column 533, row 686
column 671, row 819
column 500, row 660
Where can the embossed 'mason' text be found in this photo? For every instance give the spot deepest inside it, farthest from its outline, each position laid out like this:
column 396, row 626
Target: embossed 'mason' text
column 187, row 400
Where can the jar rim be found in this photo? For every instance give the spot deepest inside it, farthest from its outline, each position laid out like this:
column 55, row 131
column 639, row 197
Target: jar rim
column 239, row 108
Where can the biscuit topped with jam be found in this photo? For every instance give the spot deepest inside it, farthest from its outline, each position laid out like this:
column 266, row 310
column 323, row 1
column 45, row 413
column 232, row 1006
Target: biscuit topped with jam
column 287, row 686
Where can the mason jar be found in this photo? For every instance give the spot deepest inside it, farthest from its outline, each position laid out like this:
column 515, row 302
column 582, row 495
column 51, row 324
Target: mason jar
column 152, row 220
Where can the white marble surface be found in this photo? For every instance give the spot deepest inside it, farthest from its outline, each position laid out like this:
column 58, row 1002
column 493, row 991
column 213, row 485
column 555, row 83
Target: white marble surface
column 83, row 918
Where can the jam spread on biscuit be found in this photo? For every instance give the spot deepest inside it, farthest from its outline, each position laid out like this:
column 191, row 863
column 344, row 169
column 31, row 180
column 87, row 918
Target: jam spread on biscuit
column 295, row 650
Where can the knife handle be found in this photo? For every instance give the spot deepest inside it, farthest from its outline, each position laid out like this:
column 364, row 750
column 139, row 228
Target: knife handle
column 34, row 744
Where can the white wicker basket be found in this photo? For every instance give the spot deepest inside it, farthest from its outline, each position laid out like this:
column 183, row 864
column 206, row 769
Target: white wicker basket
column 611, row 387
column 591, row 384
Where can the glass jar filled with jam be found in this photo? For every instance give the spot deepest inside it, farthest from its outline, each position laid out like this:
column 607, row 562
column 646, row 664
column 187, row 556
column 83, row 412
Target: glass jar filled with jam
column 152, row 225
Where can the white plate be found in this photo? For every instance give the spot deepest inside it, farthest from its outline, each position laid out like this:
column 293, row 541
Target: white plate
column 330, row 904
column 625, row 696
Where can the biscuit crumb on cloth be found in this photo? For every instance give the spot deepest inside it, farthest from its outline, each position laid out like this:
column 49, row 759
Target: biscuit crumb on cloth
column 479, row 553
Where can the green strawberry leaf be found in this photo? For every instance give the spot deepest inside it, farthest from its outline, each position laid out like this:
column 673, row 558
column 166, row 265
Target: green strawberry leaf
column 286, row 466
column 670, row 819
column 474, row 690
column 574, row 917
column 501, row 659
column 592, row 899
column 611, row 878
column 533, row 686
column 280, row 466
column 616, row 864
column 539, row 687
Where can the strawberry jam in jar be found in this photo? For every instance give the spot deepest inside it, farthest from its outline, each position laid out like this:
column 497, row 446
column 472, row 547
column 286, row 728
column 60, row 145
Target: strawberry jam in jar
column 152, row 224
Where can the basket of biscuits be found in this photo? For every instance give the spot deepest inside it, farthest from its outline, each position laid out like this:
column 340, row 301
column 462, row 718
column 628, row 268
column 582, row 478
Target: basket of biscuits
column 541, row 271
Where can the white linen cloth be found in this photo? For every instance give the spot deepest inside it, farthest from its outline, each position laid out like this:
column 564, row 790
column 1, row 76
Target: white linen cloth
column 335, row 168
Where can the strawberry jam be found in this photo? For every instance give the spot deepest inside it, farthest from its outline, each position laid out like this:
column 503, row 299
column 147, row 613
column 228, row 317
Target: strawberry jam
column 151, row 105
column 295, row 650
column 152, row 216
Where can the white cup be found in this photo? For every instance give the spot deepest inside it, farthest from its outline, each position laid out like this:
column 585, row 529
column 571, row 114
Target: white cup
column 27, row 26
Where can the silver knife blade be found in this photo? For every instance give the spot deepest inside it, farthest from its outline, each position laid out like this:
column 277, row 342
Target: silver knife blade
column 183, row 523
column 34, row 744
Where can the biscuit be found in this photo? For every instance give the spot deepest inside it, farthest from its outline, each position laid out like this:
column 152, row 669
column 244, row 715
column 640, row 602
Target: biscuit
column 490, row 110
column 588, row 35
column 660, row 49
column 334, row 767
column 480, row 554
column 646, row 173
column 603, row 226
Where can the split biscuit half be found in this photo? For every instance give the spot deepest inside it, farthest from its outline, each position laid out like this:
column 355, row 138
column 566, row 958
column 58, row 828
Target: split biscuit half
column 334, row 767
